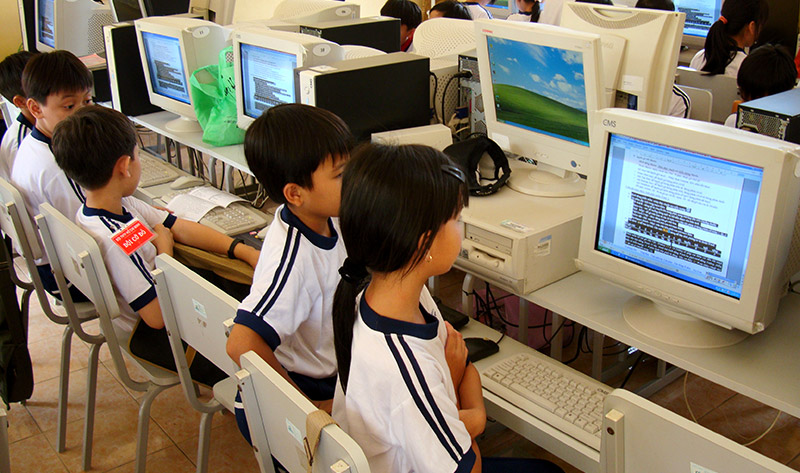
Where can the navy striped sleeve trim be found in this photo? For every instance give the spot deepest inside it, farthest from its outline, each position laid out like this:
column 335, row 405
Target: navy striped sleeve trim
column 259, row 326
column 282, row 272
column 141, row 301
column 687, row 102
column 24, row 121
column 170, row 220
column 323, row 242
column 467, row 461
column 451, row 451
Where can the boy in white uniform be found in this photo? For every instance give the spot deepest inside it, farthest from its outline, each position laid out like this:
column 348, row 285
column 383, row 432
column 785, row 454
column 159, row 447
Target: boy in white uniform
column 97, row 148
column 56, row 84
column 297, row 153
column 11, row 88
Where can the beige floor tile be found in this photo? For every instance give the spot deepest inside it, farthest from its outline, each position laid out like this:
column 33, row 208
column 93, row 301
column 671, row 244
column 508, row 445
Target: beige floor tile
column 795, row 464
column 703, row 396
column 34, row 455
column 114, row 438
column 500, row 441
column 20, row 423
column 179, row 420
column 43, row 404
column 169, row 460
column 228, row 453
column 46, row 357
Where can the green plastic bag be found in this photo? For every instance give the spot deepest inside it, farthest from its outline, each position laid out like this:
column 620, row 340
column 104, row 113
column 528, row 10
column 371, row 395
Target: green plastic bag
column 214, row 99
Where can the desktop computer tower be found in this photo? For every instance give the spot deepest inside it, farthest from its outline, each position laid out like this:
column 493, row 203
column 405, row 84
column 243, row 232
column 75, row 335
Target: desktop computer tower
column 125, row 72
column 377, row 32
column 776, row 115
column 373, row 94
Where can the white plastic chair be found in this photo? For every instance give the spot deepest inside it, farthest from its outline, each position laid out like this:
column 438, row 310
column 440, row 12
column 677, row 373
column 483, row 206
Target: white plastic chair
column 15, row 222
column 200, row 314
column 75, row 256
column 723, row 88
column 443, row 37
column 277, row 414
column 702, row 102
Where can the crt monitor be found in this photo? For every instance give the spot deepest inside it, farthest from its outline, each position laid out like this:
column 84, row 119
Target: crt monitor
column 696, row 219
column 264, row 66
column 700, row 15
column 172, row 48
column 316, row 10
column 540, row 85
column 164, row 7
column 640, row 51
column 126, row 10
column 74, row 25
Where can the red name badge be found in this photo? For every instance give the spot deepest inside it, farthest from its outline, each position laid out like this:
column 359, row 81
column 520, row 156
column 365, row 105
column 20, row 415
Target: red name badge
column 132, row 237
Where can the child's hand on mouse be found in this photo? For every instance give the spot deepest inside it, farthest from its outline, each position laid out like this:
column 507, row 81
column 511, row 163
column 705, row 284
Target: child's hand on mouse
column 455, row 352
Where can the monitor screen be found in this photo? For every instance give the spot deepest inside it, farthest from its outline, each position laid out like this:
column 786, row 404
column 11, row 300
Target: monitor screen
column 126, row 10
column 539, row 88
column 164, row 62
column 267, row 78
column 700, row 15
column 680, row 213
column 46, row 19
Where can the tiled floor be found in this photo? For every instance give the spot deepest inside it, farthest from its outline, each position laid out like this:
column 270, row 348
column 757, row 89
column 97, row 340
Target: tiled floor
column 173, row 429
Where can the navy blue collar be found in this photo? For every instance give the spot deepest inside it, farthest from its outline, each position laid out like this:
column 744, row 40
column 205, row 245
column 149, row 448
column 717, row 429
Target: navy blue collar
column 41, row 136
column 24, row 121
column 375, row 321
column 323, row 242
column 124, row 218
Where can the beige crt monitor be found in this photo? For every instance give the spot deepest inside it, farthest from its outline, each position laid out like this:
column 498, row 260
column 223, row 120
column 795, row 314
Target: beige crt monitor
column 694, row 218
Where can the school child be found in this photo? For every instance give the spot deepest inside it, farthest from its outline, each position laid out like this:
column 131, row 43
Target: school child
column 527, row 10
column 765, row 71
column 11, row 89
column 297, row 152
column 450, row 9
column 738, row 27
column 410, row 17
column 96, row 147
column 405, row 393
column 477, row 9
column 56, row 85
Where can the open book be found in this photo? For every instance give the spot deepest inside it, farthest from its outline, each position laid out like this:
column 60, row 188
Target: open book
column 194, row 203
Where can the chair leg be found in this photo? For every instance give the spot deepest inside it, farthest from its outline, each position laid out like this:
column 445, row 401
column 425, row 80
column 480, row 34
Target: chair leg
column 144, row 426
column 63, row 389
column 91, row 394
column 204, row 442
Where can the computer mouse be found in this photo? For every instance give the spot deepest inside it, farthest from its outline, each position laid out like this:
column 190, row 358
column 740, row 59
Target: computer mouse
column 184, row 182
column 480, row 348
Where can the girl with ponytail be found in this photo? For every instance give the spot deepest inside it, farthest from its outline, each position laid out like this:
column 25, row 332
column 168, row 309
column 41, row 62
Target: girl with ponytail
column 738, row 27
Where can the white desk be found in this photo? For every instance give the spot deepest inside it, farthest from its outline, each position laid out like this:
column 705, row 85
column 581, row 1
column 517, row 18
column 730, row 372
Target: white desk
column 765, row 366
column 230, row 155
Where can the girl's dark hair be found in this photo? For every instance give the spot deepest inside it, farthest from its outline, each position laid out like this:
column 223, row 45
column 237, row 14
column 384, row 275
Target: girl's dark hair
column 453, row 9
column 536, row 9
column 407, row 11
column 765, row 71
column 720, row 47
column 667, row 5
column 394, row 201
column 288, row 142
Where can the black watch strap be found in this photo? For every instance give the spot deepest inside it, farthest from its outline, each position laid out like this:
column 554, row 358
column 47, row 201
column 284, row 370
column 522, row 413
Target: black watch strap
column 235, row 242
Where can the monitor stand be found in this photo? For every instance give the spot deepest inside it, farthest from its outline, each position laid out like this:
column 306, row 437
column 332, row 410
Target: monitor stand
column 545, row 181
column 672, row 327
column 183, row 125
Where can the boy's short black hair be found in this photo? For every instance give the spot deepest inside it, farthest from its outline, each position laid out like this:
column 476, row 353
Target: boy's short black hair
column 11, row 74
column 88, row 144
column 288, row 142
column 52, row 73
column 453, row 9
column 407, row 11
column 767, row 70
column 667, row 5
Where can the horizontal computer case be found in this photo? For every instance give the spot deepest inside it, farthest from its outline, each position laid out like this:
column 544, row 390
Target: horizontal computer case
column 373, row 94
column 377, row 32
column 776, row 115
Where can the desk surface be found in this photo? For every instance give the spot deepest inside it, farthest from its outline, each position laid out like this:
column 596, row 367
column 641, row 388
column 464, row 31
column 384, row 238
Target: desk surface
column 764, row 366
column 232, row 155
column 232, row 270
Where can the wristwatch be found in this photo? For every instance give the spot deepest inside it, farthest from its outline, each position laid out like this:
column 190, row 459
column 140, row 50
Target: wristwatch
column 235, row 242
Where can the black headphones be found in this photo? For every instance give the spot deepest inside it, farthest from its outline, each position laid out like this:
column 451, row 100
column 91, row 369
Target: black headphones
column 468, row 153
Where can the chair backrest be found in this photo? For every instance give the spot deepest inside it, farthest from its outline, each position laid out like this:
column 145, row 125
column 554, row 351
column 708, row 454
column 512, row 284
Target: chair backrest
column 74, row 256
column 276, row 413
column 196, row 312
column 641, row 436
column 701, row 100
column 442, row 37
column 15, row 222
column 9, row 111
column 723, row 88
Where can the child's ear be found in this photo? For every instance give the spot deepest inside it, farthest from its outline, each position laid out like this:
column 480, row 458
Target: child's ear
column 35, row 108
column 20, row 102
column 293, row 194
column 123, row 165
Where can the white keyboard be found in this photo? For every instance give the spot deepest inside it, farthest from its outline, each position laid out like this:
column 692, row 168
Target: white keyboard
column 552, row 392
column 155, row 171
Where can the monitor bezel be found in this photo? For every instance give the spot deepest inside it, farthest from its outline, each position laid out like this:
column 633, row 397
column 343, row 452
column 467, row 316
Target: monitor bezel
column 40, row 46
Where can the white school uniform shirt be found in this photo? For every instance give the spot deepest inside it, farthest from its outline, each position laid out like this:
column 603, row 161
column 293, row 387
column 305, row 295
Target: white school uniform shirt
column 679, row 103
column 39, row 179
column 731, row 70
column 16, row 132
column 551, row 11
column 400, row 405
column 731, row 120
column 133, row 284
column 477, row 11
column 519, row 17
column 291, row 299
